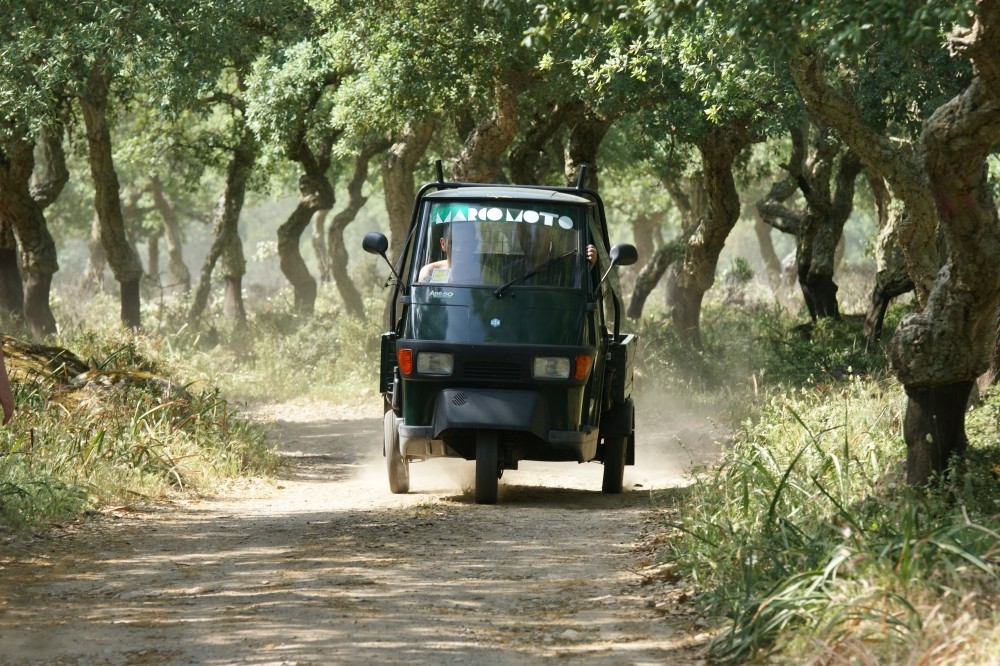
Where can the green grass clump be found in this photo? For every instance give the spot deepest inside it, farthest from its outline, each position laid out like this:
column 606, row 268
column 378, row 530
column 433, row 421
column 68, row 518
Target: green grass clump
column 115, row 428
column 806, row 537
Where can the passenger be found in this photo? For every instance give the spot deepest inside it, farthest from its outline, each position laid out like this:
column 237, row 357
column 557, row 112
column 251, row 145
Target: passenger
column 543, row 248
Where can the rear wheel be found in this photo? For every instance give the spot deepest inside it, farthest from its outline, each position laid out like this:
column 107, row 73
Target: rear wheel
column 615, row 449
column 397, row 465
column 487, row 466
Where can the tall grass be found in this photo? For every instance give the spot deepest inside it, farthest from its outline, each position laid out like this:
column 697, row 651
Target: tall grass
column 122, row 431
column 804, row 536
column 161, row 412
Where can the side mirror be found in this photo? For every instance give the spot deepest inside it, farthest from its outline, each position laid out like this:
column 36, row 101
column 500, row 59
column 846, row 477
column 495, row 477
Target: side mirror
column 375, row 242
column 624, row 254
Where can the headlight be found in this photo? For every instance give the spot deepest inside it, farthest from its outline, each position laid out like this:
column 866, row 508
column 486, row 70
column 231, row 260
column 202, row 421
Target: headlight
column 550, row 367
column 435, row 363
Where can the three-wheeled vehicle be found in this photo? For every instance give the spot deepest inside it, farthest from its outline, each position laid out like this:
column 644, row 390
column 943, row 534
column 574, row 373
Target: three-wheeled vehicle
column 504, row 340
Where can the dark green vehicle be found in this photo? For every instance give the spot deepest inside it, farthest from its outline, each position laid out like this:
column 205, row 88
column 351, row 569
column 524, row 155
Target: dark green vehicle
column 505, row 341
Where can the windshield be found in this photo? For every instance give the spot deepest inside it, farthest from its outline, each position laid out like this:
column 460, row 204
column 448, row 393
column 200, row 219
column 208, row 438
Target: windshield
column 494, row 244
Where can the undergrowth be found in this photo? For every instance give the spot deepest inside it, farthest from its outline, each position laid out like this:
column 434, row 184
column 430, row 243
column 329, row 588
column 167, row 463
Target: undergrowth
column 805, row 539
column 107, row 422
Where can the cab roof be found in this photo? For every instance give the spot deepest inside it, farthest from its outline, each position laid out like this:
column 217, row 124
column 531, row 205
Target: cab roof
column 508, row 192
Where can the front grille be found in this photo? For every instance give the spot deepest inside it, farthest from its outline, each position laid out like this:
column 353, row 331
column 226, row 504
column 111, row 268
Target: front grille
column 491, row 371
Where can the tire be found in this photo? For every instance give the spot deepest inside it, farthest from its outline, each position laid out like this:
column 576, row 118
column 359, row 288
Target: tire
column 397, row 466
column 615, row 449
column 487, row 466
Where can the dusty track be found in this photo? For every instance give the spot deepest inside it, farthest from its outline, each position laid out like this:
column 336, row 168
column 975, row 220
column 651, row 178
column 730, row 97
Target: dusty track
column 326, row 566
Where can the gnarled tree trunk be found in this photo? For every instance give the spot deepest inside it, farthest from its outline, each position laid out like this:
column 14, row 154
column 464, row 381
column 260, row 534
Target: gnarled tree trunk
column 315, row 194
column 320, row 247
column 718, row 152
column 226, row 243
column 825, row 176
column 397, row 180
column 11, row 286
column 172, row 235
column 918, row 228
column 121, row 256
column 532, row 156
column 938, row 353
column 338, row 251
column 23, row 205
column 587, row 130
column 479, row 159
column 891, row 278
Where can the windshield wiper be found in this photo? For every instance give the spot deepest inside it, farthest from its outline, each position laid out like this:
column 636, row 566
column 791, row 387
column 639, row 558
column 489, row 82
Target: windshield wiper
column 545, row 264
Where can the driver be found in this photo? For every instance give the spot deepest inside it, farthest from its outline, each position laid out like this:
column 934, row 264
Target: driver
column 437, row 271
column 458, row 243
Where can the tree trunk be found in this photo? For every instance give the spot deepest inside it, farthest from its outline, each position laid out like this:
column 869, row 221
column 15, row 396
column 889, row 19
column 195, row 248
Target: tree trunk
column 226, row 241
column 934, row 429
column 11, row 287
column 479, row 159
column 825, row 175
column 96, row 260
column 153, row 255
column 37, row 247
column 397, row 181
column 338, row 250
column 315, row 194
column 772, row 264
column 891, row 278
column 320, row 247
column 586, row 132
column 649, row 277
column 528, row 159
column 232, row 298
column 718, row 152
column 172, row 236
column 917, row 230
column 834, row 206
column 938, row 353
column 121, row 256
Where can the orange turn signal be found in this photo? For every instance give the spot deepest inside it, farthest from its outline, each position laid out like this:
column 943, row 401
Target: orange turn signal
column 405, row 358
column 583, row 363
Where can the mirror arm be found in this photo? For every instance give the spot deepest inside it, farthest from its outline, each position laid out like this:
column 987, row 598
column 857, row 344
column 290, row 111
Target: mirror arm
column 392, row 268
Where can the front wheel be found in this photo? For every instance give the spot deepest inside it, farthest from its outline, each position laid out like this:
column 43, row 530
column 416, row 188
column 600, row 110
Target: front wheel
column 615, row 449
column 487, row 466
column 396, row 464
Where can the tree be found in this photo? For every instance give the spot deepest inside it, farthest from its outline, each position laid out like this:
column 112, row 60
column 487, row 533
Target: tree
column 938, row 175
column 825, row 178
column 23, row 203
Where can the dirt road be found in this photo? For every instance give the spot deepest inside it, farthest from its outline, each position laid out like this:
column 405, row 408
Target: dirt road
column 325, row 566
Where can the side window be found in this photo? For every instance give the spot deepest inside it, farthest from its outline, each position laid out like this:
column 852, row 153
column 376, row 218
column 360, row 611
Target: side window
column 605, row 299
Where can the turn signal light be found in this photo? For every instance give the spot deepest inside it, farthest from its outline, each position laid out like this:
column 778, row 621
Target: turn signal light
column 405, row 359
column 582, row 369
